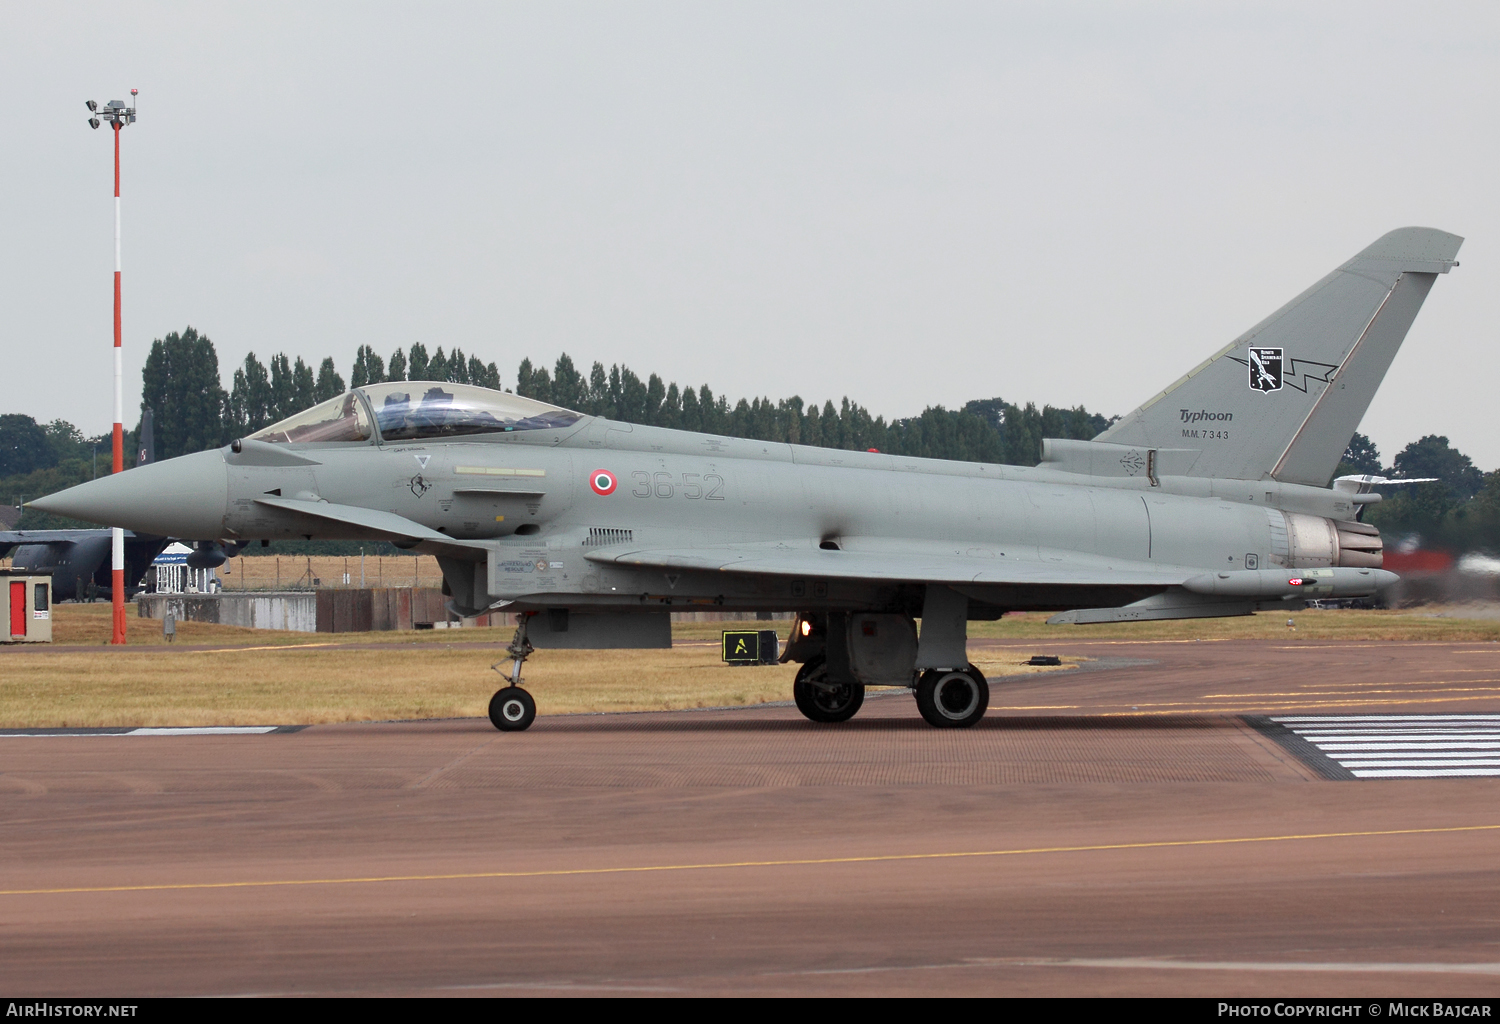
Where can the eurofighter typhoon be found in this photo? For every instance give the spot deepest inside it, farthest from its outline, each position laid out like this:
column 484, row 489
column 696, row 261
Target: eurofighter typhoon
column 1211, row 499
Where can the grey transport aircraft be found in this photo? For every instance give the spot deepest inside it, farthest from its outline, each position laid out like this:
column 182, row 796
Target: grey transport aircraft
column 1211, row 499
column 78, row 560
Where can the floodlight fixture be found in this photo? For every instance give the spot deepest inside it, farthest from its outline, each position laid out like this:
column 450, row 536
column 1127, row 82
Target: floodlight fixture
column 115, row 113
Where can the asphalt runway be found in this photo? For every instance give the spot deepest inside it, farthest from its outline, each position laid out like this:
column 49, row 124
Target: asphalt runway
column 1176, row 818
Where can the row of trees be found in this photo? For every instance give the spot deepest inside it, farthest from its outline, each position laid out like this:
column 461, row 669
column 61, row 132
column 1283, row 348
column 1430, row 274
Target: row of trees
column 193, row 411
column 1461, row 510
column 416, row 364
column 38, row 459
column 988, row 430
column 27, row 446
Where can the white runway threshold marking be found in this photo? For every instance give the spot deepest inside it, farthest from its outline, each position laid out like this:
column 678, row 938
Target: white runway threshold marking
column 1404, row 746
column 206, row 730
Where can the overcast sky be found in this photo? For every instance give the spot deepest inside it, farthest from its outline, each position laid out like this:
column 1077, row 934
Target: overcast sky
column 905, row 203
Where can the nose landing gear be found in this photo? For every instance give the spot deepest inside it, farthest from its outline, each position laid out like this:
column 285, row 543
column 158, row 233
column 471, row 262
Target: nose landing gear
column 512, row 708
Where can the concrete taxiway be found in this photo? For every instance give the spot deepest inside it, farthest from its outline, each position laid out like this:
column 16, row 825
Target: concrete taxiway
column 1145, row 825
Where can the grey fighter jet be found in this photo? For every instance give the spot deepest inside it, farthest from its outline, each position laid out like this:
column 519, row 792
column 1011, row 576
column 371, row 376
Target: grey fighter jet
column 1211, row 499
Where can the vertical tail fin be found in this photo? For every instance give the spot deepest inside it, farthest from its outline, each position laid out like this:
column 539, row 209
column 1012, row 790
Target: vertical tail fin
column 1284, row 398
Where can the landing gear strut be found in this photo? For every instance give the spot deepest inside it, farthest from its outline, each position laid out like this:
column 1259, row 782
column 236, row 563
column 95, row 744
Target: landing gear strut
column 822, row 700
column 952, row 698
column 511, row 708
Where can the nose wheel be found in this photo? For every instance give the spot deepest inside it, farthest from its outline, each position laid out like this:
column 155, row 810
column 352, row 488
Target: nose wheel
column 512, row 709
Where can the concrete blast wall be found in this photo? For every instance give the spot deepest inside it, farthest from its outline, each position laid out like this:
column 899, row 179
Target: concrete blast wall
column 364, row 611
column 295, row 611
column 346, row 610
column 305, row 611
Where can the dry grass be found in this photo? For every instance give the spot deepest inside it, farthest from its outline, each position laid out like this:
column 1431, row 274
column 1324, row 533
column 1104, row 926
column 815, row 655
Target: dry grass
column 311, row 684
column 90, row 624
column 263, row 677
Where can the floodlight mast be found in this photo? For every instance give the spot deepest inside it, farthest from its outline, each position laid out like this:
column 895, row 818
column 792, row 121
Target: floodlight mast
column 118, row 115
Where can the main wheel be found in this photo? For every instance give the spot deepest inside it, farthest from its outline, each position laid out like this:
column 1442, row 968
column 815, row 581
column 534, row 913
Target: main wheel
column 953, row 698
column 823, row 701
column 512, row 709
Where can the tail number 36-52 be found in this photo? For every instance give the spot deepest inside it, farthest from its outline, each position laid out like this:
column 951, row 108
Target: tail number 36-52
column 709, row 486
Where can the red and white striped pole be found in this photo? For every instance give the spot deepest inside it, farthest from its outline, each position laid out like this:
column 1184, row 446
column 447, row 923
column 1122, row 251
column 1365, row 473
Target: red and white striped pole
column 117, row 535
column 118, row 115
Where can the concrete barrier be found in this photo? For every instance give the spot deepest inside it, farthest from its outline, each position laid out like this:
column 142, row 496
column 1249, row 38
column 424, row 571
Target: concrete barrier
column 296, row 611
column 306, row 611
column 374, row 610
column 351, row 610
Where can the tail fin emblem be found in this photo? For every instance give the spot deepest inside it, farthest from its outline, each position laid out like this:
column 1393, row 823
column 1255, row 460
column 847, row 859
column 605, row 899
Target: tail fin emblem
column 1265, row 369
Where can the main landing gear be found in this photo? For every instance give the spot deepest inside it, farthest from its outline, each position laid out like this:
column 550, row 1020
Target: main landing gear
column 511, row 708
column 952, row 698
column 822, row 700
column 844, row 652
column 947, row 698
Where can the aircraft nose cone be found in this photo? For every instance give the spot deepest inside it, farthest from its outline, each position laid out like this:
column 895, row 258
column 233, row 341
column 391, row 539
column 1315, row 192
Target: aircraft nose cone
column 183, row 497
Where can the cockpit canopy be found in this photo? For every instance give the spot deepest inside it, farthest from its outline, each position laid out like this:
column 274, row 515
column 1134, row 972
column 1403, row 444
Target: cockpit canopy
column 409, row 410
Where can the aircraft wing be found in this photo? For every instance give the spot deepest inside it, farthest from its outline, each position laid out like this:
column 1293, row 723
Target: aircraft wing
column 52, row 536
column 10, row 539
column 905, row 566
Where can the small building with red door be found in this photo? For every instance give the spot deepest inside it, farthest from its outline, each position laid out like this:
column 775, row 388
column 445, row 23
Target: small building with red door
column 25, row 607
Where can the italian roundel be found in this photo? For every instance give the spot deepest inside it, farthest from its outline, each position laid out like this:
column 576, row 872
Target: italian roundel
column 602, row 481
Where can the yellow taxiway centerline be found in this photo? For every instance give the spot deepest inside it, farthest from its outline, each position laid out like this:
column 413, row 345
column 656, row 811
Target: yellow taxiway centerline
column 726, row 865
